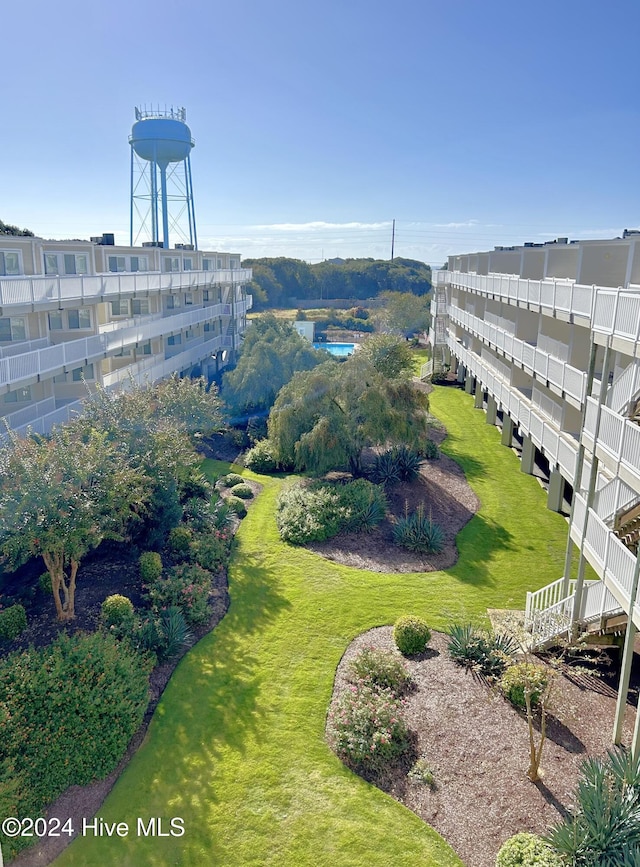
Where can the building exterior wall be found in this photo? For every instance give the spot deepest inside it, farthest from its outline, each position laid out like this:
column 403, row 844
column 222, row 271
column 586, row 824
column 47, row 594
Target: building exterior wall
column 75, row 314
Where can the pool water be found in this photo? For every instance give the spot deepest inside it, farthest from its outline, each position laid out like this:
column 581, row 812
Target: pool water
column 340, row 350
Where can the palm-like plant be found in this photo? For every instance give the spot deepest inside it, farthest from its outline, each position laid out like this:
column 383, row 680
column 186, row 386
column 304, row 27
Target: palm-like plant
column 604, row 829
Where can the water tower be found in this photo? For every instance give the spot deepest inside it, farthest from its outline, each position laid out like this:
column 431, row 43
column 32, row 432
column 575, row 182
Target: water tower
column 161, row 157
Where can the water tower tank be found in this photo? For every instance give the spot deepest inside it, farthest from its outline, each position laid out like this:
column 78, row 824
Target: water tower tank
column 160, row 138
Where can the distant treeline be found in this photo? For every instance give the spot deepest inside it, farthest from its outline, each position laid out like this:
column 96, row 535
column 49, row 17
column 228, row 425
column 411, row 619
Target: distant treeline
column 281, row 282
column 8, row 229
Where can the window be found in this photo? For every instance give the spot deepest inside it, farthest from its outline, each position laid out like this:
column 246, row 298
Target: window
column 72, row 263
column 9, row 264
column 12, row 329
column 79, row 318
column 206, row 264
column 139, row 263
column 174, row 340
column 205, row 294
column 173, row 301
column 187, row 264
column 139, row 306
column 119, row 307
column 117, row 263
column 209, row 327
column 81, row 373
column 20, row 395
column 55, row 321
column 219, row 263
column 188, row 299
column 145, row 349
column 50, row 263
column 123, row 353
column 170, row 264
column 188, row 335
column 233, row 263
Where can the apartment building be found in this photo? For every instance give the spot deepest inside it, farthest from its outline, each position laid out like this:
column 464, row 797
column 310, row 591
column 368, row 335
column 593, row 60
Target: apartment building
column 75, row 314
column 547, row 339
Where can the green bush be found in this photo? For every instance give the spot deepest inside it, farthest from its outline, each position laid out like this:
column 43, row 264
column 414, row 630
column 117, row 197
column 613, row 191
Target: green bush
column 44, row 583
column 13, row 622
column 116, row 610
column 186, row 586
column 317, row 511
column 180, row 539
column 418, row 533
column 198, row 515
column 231, row 479
column 67, row 713
column 366, row 728
column 237, row 506
column 527, row 850
column 172, row 633
column 261, row 458
column 411, row 635
column 380, row 669
column 385, row 469
column 243, row 491
column 150, row 564
column 408, row 462
column 222, row 515
column 195, row 487
column 431, row 450
column 524, row 676
column 487, row 653
column 256, row 429
column 212, row 550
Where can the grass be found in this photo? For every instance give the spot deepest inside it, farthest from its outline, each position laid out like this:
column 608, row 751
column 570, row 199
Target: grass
column 236, row 747
column 420, row 357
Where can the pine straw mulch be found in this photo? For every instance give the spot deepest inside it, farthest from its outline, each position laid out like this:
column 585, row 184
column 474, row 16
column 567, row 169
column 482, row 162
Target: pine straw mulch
column 477, row 746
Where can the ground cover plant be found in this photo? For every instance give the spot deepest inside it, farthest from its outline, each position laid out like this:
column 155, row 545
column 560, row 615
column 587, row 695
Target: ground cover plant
column 253, row 776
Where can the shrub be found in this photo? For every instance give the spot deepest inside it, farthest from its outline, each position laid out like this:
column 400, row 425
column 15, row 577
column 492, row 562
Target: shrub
column 195, row 487
column 256, row 429
column 418, row 533
column 243, row 491
column 212, row 550
column 116, row 610
column 366, row 728
column 380, row 669
column 13, row 622
column 44, row 582
column 411, row 635
column 180, row 541
column 431, row 450
column 186, row 586
column 68, row 712
column 150, row 564
column 237, row 506
column 173, row 633
column 261, row 458
column 222, row 515
column 312, row 513
column 484, row 652
column 527, row 850
column 524, row 676
column 422, row 773
column 231, row 479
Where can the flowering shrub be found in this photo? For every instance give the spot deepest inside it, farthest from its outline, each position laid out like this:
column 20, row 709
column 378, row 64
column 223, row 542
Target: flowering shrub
column 187, row 587
column 212, row 550
column 366, row 727
column 116, row 610
column 380, row 669
column 527, row 850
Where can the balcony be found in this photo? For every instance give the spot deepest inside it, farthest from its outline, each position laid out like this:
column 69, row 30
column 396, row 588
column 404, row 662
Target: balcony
column 42, row 292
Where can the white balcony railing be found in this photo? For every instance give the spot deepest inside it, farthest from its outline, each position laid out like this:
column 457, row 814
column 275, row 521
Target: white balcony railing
column 45, row 362
column 559, row 447
column 44, row 291
column 567, row 379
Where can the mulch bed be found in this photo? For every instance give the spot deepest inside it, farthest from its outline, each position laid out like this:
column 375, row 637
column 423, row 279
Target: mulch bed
column 477, row 746
column 448, row 500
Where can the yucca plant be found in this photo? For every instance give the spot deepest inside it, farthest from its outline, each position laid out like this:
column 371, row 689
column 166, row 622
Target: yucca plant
column 604, row 828
column 408, row 462
column 386, row 470
column 418, row 533
column 174, row 632
column 489, row 654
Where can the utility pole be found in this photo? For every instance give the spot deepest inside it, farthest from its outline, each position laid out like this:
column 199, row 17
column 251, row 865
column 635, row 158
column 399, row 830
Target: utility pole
column 393, row 238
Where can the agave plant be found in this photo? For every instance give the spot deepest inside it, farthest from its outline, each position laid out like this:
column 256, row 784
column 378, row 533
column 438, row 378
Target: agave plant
column 408, row 462
column 487, row 653
column 418, row 533
column 385, row 469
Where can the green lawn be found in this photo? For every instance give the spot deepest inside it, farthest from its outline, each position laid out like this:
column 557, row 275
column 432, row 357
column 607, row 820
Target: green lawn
column 236, row 745
column 420, row 357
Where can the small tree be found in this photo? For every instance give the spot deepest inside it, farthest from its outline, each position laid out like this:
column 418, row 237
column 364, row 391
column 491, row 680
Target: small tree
column 59, row 498
column 390, row 355
column 528, row 684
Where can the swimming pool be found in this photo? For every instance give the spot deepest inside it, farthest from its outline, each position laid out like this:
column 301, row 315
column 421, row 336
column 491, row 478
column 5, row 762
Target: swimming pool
column 340, row 350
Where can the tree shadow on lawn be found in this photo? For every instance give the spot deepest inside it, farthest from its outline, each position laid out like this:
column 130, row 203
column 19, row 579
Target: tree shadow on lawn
column 472, row 466
column 477, row 545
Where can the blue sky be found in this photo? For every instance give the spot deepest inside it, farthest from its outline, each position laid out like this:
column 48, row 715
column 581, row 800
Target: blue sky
column 471, row 124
